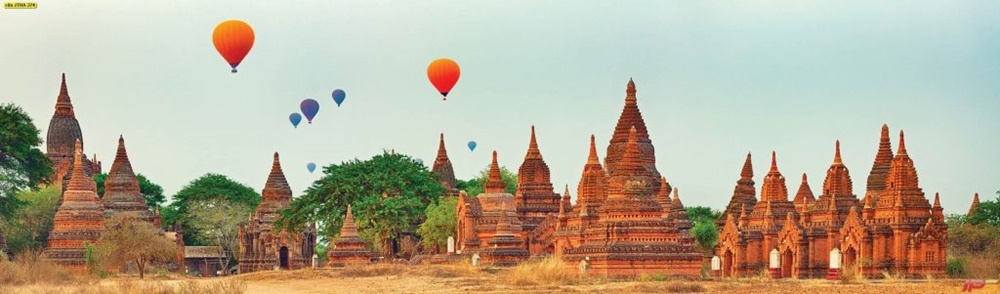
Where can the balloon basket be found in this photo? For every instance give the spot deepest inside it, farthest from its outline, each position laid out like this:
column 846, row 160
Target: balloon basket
column 234, row 70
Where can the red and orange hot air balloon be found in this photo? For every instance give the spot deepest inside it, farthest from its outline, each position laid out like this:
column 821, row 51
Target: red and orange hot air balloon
column 443, row 74
column 233, row 39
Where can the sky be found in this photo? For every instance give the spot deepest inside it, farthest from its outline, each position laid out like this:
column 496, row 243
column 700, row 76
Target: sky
column 715, row 80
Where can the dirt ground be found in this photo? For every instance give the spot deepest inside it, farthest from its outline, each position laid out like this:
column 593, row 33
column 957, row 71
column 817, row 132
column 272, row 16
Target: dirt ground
column 466, row 279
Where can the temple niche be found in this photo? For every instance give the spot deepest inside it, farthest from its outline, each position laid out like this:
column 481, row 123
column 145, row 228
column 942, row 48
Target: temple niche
column 624, row 222
column 893, row 228
column 264, row 247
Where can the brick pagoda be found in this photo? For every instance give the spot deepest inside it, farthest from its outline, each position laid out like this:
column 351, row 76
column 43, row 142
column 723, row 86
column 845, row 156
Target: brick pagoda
column 121, row 189
column 348, row 248
column 78, row 220
column 64, row 132
column 264, row 247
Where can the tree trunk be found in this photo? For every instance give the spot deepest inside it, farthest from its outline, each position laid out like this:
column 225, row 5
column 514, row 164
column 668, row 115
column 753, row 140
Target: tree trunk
column 141, row 264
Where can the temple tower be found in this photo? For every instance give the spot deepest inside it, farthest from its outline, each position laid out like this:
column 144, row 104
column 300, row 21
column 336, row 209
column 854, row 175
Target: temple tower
column 348, row 248
column 121, row 189
column 534, row 198
column 745, row 194
column 630, row 118
column 64, row 132
column 442, row 167
column 78, row 220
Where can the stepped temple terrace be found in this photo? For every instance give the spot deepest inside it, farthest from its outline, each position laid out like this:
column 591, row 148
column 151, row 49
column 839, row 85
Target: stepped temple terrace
column 627, row 220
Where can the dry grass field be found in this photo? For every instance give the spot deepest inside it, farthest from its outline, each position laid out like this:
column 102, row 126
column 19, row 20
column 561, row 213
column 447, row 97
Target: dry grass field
column 546, row 276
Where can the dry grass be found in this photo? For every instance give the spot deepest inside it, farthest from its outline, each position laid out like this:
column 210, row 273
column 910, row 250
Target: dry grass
column 31, row 268
column 668, row 287
column 133, row 286
column 548, row 271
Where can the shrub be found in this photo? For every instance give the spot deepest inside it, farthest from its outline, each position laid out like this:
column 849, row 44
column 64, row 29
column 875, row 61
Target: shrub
column 956, row 267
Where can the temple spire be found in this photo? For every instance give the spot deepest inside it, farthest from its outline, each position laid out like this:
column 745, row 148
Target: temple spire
column 747, row 172
column 902, row 144
column 533, row 152
column 78, row 179
column 836, row 157
column 592, row 158
column 677, row 198
column 494, row 184
column 974, row 206
column 937, row 200
column 442, row 152
column 64, row 107
column 349, row 228
column 630, row 91
column 774, row 162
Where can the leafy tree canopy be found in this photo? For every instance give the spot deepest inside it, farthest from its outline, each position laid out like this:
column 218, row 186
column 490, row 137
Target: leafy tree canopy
column 152, row 192
column 441, row 222
column 216, row 222
column 28, row 230
column 704, row 232
column 22, row 164
column 388, row 193
column 207, row 187
column 474, row 187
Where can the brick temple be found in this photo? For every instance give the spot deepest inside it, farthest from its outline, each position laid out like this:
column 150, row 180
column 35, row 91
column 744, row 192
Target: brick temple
column 78, row 220
column 64, row 131
column 121, row 190
column 894, row 228
column 348, row 249
column 265, row 247
column 624, row 222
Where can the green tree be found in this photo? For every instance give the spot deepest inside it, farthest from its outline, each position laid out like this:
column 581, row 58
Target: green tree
column 28, row 230
column 704, row 232
column 152, row 192
column 388, row 194
column 208, row 186
column 216, row 222
column 134, row 242
column 440, row 224
column 987, row 213
column 22, row 164
column 474, row 187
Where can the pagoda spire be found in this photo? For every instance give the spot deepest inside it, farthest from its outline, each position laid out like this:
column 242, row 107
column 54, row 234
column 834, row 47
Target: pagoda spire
column 676, row 201
column 276, row 187
column 804, row 196
column 442, row 152
column 503, row 225
column 443, row 168
column 78, row 179
column 566, row 204
column 974, row 206
column 880, row 168
column 902, row 144
column 533, row 152
column 121, row 189
column 836, row 157
column 631, row 162
column 349, row 228
column 747, row 172
column 494, row 184
column 774, row 163
column 64, row 107
column 663, row 197
column 592, row 157
column 774, row 188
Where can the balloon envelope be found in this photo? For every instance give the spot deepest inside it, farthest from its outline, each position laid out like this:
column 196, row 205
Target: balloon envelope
column 233, row 39
column 309, row 108
column 443, row 74
column 295, row 118
column 311, row 167
column 472, row 145
column 339, row 96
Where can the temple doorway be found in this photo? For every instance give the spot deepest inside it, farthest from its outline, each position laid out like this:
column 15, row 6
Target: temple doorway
column 727, row 264
column 283, row 257
column 850, row 257
column 786, row 264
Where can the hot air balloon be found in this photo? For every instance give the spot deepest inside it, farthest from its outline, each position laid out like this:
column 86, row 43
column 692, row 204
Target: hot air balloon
column 311, row 167
column 443, row 74
column 472, row 145
column 339, row 96
column 295, row 118
column 309, row 108
column 420, row 161
column 233, row 39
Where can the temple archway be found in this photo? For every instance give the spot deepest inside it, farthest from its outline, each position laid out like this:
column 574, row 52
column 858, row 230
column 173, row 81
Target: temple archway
column 283, row 257
column 727, row 264
column 850, row 257
column 786, row 263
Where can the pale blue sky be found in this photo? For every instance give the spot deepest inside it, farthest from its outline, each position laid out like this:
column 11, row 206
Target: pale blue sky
column 715, row 79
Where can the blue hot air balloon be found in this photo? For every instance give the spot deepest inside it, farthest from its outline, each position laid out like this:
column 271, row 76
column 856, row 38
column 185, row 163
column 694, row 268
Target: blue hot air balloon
column 295, row 118
column 420, row 161
column 311, row 167
column 472, row 145
column 309, row 108
column 339, row 96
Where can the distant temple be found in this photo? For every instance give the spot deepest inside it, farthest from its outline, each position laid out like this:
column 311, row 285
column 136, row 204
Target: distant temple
column 121, row 190
column 264, row 247
column 64, row 131
column 348, row 249
column 624, row 222
column 78, row 220
column 893, row 228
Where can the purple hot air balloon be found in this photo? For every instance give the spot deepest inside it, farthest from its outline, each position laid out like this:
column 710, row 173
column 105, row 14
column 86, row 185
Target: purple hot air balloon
column 309, row 108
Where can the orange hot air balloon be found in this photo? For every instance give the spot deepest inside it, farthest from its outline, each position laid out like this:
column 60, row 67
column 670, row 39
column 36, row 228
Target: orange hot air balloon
column 443, row 74
column 233, row 39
